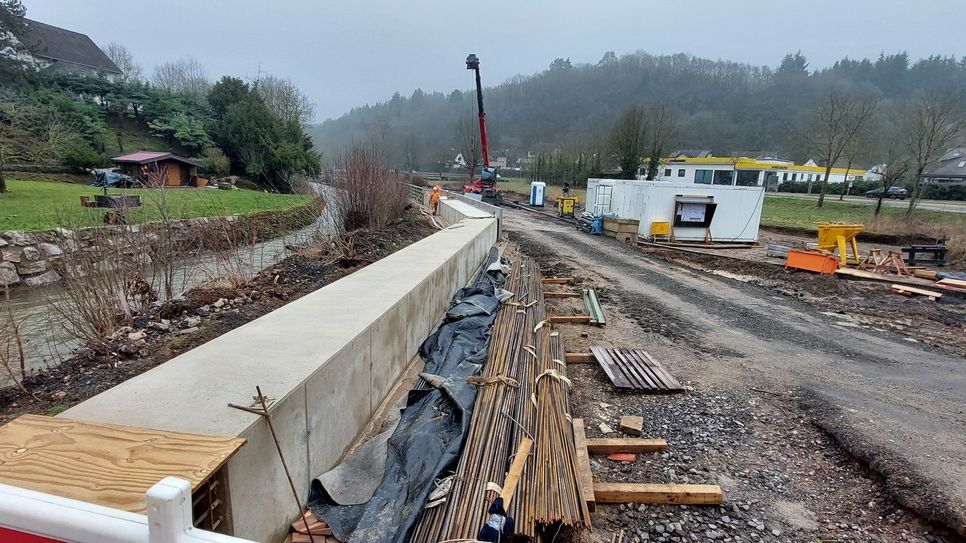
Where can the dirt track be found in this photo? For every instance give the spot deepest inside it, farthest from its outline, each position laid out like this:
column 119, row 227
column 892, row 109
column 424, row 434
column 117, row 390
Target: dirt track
column 896, row 404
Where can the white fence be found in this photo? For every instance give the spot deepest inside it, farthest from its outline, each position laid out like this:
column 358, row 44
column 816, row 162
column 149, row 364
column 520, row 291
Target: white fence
column 26, row 515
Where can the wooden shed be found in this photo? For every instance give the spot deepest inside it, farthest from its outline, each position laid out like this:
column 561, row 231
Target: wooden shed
column 157, row 169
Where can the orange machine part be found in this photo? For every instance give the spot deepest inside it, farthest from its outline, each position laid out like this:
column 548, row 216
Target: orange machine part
column 813, row 261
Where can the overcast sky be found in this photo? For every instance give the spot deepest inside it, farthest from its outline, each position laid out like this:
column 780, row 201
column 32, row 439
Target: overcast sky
column 353, row 52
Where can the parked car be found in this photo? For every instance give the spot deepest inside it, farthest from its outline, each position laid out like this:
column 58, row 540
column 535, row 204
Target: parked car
column 896, row 193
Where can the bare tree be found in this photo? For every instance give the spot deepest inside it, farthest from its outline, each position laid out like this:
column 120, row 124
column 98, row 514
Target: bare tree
column 183, row 75
column 661, row 130
column 835, row 123
column 285, row 99
column 628, row 141
column 929, row 128
column 468, row 137
column 891, row 173
column 124, row 60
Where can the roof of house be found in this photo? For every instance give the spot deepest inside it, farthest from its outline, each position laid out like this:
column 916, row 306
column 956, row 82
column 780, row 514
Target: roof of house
column 55, row 43
column 691, row 153
column 951, row 164
column 146, row 157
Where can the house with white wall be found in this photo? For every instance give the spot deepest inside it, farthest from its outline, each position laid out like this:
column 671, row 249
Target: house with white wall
column 747, row 172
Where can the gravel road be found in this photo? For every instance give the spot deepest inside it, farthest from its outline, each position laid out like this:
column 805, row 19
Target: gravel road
column 755, row 354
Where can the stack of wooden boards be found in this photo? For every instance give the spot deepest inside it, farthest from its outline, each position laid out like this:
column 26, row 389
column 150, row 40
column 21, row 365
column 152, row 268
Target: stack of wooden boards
column 626, row 230
column 527, row 397
column 634, row 368
column 309, row 529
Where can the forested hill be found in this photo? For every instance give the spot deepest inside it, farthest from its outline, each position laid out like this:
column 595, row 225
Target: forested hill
column 719, row 105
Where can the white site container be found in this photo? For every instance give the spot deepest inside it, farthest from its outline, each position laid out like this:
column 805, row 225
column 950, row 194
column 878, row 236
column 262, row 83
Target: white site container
column 736, row 217
column 538, row 193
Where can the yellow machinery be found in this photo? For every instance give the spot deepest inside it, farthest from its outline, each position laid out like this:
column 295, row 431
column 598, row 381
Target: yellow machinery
column 832, row 236
column 567, row 205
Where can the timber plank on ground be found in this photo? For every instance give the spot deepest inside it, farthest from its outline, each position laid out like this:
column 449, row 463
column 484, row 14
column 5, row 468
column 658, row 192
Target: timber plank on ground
column 571, row 319
column 603, row 446
column 104, row 464
column 862, row 274
column 557, row 280
column 581, row 358
column 560, row 294
column 583, row 464
column 634, row 368
column 654, row 494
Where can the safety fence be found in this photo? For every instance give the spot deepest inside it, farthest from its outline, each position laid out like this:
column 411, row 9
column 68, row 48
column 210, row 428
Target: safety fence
column 27, row 516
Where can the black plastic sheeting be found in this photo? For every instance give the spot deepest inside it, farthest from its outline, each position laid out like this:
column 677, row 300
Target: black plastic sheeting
column 432, row 427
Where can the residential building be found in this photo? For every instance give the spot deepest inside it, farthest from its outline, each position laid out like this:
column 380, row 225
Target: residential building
column 158, row 168
column 747, row 172
column 948, row 169
column 58, row 50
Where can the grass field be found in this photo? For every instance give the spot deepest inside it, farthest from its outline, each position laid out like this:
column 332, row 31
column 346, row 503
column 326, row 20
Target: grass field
column 42, row 205
column 516, row 184
column 802, row 213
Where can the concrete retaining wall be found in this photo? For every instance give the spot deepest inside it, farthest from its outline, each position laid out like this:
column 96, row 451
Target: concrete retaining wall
column 328, row 359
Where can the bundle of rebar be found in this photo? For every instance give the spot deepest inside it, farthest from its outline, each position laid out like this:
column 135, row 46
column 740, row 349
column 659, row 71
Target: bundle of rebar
column 524, row 393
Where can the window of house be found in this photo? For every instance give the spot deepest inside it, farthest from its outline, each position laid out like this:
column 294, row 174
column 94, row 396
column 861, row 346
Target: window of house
column 785, row 176
column 667, row 172
column 724, row 177
column 747, row 178
column 703, row 176
column 794, row 177
column 680, row 172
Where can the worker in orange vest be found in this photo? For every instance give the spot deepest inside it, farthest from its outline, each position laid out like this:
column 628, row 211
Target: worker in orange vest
column 434, row 198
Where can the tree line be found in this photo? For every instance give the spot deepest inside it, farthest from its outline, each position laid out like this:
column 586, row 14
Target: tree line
column 568, row 113
column 255, row 129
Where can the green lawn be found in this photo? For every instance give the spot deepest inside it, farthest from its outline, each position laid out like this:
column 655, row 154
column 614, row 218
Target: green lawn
column 42, row 205
column 802, row 213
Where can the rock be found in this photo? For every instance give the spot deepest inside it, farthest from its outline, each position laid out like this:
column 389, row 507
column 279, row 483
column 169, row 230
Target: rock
column 132, row 348
column 10, row 255
column 135, row 336
column 3, row 242
column 220, row 303
column 43, row 279
column 604, row 429
column 50, row 250
column 28, row 268
column 59, row 394
column 191, row 322
column 163, row 325
column 632, row 425
column 189, row 330
column 8, row 274
column 31, row 254
column 19, row 237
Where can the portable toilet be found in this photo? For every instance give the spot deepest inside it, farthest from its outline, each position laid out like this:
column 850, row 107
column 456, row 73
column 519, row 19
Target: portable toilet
column 538, row 193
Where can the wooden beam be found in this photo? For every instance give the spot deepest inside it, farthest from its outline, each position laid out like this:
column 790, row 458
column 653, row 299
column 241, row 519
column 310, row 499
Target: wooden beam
column 583, row 465
column 581, row 358
column 557, row 280
column 902, row 289
column 559, row 294
column 653, row 494
column 637, row 445
column 572, row 319
column 516, row 470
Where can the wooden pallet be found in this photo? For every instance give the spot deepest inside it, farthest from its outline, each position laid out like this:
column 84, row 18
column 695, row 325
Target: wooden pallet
column 634, row 368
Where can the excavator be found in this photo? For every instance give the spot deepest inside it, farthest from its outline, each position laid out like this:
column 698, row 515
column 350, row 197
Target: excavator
column 485, row 186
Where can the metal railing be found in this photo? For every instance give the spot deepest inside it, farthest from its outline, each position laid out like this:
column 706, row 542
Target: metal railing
column 26, row 515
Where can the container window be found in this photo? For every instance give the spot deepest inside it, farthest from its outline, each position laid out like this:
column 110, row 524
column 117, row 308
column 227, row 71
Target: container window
column 667, row 172
column 680, row 172
column 724, row 177
column 703, row 176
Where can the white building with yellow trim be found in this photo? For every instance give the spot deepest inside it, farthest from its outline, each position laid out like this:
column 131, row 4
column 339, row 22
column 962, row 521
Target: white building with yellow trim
column 747, row 172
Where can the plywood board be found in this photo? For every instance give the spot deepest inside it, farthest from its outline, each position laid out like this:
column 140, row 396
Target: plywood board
column 103, row 463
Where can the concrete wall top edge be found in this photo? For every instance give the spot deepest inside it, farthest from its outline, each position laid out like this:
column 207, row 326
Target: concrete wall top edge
column 278, row 351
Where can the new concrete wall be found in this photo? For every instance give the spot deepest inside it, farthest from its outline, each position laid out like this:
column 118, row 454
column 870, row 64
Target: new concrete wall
column 328, row 359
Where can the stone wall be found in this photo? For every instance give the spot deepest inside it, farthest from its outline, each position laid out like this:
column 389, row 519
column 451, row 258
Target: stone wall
column 35, row 259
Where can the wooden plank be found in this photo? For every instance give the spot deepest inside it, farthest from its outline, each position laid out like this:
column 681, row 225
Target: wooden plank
column 516, row 470
column 570, row 319
column 950, row 282
column 558, row 294
column 862, row 274
column 669, row 381
column 914, row 290
column 625, row 445
column 557, row 280
column 586, row 477
column 646, row 378
column 652, row 494
column 580, row 358
column 103, row 463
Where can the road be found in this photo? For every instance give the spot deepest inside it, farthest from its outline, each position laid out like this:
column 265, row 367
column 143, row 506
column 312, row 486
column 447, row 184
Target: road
column 931, row 205
column 896, row 404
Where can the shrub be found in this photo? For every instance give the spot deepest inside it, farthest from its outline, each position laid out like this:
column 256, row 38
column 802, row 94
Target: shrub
column 368, row 195
column 80, row 156
column 215, row 161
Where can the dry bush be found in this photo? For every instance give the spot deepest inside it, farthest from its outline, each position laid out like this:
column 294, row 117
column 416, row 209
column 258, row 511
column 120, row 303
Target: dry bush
column 368, row 195
column 11, row 343
column 231, row 250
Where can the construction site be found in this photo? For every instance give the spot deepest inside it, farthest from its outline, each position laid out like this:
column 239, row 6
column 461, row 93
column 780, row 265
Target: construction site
column 644, row 363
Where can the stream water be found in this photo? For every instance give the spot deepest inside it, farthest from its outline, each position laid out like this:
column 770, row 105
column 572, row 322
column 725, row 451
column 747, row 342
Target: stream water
column 47, row 338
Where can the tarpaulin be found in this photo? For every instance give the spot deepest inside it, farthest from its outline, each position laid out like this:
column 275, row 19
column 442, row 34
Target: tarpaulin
column 429, row 434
